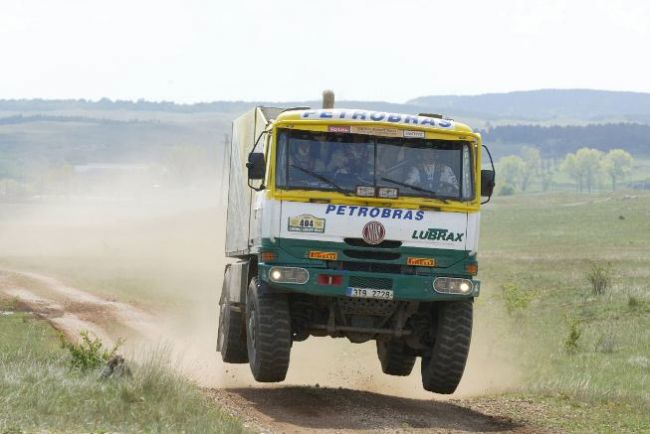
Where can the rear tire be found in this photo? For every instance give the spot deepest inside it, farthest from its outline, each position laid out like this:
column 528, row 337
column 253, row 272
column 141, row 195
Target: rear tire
column 443, row 369
column 393, row 359
column 231, row 341
column 268, row 333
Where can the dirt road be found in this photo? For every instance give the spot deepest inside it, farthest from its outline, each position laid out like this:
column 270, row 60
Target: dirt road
column 308, row 409
column 281, row 409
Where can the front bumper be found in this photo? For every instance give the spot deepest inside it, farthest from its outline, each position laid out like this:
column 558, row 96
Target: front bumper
column 405, row 287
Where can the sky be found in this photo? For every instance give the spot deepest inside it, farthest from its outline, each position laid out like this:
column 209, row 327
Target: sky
column 290, row 50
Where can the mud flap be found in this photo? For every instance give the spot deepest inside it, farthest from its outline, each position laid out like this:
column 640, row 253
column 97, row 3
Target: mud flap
column 235, row 282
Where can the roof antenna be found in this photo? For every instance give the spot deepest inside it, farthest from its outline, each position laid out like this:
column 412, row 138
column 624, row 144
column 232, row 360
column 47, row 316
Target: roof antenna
column 328, row 99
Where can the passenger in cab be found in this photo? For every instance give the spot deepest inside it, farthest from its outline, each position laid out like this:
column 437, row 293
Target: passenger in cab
column 352, row 161
column 432, row 175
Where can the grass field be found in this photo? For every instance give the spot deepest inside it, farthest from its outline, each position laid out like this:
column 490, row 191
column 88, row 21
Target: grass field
column 583, row 357
column 39, row 392
column 537, row 252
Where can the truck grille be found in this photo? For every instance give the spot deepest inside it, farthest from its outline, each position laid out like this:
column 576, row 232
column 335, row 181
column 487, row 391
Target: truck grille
column 373, row 267
column 378, row 256
column 386, row 244
column 371, row 282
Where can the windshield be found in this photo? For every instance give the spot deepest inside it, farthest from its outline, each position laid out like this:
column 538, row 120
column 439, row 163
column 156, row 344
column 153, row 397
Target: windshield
column 344, row 162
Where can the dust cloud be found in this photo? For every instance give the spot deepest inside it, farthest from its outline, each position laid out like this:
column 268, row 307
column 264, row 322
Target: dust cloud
column 163, row 253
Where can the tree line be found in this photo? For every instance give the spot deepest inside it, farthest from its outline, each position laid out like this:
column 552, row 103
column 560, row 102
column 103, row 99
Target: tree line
column 586, row 167
column 557, row 140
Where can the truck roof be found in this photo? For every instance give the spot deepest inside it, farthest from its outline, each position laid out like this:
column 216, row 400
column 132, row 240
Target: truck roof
column 348, row 116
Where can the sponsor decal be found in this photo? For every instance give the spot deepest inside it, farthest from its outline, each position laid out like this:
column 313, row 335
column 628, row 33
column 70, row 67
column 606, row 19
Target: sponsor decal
column 373, row 233
column 338, row 129
column 372, row 116
column 326, row 256
column 414, row 134
column 306, row 223
column 388, row 192
column 422, row 262
column 438, row 234
column 377, row 131
column 374, row 212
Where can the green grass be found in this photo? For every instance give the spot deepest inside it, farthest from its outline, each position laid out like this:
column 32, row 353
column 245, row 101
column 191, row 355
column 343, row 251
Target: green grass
column 546, row 245
column 39, row 392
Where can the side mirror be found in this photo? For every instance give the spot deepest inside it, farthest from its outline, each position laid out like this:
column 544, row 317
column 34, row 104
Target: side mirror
column 256, row 166
column 487, row 183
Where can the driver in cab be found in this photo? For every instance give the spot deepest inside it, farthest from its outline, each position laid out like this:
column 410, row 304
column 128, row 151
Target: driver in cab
column 301, row 162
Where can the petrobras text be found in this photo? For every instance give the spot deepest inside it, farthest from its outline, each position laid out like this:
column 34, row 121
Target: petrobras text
column 372, row 116
column 374, row 212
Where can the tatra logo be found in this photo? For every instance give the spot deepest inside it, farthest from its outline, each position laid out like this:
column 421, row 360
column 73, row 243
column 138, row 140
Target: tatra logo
column 437, row 234
column 373, row 233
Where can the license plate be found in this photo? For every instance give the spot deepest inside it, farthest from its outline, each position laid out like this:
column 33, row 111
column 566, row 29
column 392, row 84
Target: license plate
column 385, row 294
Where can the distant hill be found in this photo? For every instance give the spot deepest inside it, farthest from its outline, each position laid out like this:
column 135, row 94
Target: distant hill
column 37, row 134
column 560, row 106
column 545, row 105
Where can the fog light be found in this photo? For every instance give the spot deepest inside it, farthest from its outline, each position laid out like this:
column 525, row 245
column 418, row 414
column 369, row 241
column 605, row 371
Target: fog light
column 450, row 285
column 289, row 275
column 276, row 275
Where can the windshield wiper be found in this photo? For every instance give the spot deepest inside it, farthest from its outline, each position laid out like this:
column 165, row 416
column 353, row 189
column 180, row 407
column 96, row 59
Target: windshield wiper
column 415, row 187
column 321, row 178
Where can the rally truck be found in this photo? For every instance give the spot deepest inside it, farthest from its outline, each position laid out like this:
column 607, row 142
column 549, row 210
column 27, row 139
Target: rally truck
column 357, row 224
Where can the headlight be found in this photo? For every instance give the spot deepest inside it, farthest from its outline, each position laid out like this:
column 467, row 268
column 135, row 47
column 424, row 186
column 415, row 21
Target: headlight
column 288, row 275
column 450, row 285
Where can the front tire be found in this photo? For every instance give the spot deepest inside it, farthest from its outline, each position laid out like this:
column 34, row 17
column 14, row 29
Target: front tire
column 443, row 368
column 393, row 359
column 268, row 333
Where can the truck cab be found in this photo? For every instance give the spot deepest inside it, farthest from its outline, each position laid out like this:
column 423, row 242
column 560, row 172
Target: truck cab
column 356, row 224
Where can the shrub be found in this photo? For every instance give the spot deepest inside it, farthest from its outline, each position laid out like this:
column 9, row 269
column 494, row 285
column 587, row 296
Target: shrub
column 90, row 353
column 571, row 341
column 516, row 300
column 600, row 277
column 633, row 302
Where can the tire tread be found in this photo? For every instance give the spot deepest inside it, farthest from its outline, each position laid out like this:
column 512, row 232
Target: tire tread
column 442, row 372
column 393, row 359
column 274, row 335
